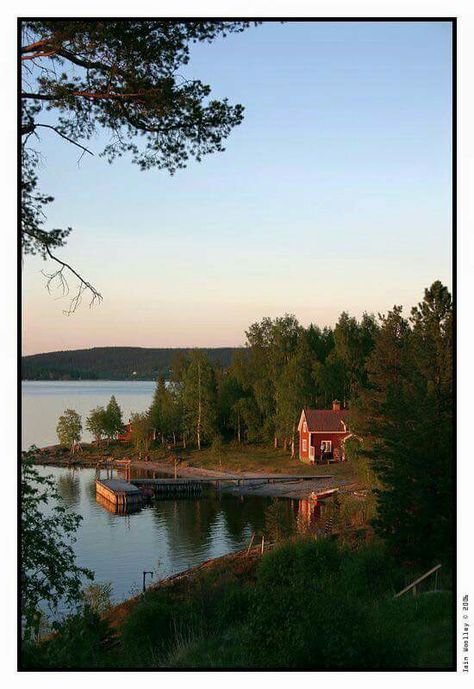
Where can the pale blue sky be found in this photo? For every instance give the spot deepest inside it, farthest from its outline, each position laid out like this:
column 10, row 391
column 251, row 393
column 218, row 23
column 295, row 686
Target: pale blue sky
column 333, row 194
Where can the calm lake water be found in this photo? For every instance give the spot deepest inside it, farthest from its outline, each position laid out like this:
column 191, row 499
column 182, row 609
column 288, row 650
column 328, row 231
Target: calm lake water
column 166, row 537
column 44, row 401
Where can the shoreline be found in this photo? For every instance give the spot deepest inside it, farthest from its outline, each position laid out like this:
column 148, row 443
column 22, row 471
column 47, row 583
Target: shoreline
column 295, row 487
column 246, row 556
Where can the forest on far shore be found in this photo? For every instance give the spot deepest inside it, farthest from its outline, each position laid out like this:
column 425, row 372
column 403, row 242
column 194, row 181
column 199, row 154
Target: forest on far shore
column 112, row 363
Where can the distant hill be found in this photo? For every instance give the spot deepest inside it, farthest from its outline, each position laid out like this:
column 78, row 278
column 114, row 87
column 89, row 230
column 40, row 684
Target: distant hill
column 111, row 363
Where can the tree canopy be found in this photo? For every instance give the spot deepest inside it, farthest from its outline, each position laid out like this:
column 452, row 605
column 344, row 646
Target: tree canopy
column 69, row 428
column 122, row 77
column 405, row 416
column 49, row 573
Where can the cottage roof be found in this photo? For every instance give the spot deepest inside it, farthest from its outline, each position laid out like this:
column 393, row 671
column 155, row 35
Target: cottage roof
column 331, row 420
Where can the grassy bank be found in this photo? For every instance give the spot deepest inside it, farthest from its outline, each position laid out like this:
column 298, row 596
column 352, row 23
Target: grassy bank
column 232, row 458
column 306, row 604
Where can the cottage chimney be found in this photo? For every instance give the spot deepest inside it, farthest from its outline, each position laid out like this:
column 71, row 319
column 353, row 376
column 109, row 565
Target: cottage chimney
column 336, row 405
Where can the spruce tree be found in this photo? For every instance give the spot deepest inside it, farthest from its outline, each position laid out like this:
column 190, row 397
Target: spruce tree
column 405, row 417
column 113, row 419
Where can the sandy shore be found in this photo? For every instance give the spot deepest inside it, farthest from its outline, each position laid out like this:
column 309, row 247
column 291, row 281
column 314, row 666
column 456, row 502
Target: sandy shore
column 294, row 488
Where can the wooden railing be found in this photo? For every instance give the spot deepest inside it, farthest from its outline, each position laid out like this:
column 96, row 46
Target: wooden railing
column 414, row 584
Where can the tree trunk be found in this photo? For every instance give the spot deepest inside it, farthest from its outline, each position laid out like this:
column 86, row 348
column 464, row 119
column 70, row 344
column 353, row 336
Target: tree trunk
column 174, row 439
column 275, row 442
column 199, row 420
column 184, row 440
column 238, row 428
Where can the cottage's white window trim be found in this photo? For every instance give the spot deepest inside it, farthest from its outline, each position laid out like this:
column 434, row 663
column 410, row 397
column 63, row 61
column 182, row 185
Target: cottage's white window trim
column 305, row 427
column 327, row 445
column 305, row 445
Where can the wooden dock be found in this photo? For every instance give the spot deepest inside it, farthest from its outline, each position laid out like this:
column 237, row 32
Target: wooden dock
column 128, row 495
column 118, row 492
column 170, row 486
column 217, row 481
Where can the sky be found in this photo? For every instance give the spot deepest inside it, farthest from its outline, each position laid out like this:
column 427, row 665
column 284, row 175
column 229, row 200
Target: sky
column 333, row 194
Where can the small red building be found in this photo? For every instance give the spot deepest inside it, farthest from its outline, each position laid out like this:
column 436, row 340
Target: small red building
column 322, row 433
column 126, row 436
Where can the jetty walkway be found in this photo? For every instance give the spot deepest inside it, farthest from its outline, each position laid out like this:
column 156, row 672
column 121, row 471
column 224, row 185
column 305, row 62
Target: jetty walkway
column 123, row 493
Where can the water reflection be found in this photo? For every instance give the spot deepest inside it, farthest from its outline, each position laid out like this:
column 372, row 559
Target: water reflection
column 122, row 510
column 69, row 487
column 176, row 533
column 309, row 513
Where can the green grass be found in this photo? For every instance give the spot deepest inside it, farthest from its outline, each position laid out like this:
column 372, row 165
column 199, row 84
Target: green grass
column 306, row 604
column 428, row 618
column 260, row 458
column 233, row 458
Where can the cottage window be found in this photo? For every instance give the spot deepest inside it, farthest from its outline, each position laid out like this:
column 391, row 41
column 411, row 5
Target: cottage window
column 305, row 445
column 326, row 445
column 305, row 427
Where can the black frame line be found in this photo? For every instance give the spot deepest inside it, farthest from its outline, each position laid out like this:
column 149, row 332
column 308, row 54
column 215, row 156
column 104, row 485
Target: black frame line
column 441, row 19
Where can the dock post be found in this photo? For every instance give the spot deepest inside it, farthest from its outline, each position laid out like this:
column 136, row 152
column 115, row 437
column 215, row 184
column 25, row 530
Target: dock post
column 144, row 576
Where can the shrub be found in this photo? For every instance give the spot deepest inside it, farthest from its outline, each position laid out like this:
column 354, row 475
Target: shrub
column 231, row 605
column 80, row 641
column 98, row 597
column 280, row 521
column 150, row 624
column 217, row 446
column 318, row 605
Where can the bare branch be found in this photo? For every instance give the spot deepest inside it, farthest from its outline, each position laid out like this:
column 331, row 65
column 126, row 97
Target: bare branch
column 63, row 284
column 71, row 141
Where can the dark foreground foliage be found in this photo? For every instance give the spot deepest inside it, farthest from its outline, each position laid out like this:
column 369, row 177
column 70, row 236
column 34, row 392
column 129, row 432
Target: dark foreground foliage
column 308, row 604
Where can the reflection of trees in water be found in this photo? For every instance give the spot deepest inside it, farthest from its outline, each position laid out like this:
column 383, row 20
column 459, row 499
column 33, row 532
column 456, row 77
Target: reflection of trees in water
column 241, row 514
column 69, row 487
column 90, row 487
column 336, row 513
column 188, row 522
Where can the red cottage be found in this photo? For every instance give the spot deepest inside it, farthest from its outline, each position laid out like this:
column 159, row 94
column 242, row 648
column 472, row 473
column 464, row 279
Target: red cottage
column 322, row 434
column 126, row 436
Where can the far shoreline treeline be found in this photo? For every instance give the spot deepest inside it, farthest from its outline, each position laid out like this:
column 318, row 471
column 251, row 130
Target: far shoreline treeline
column 114, row 363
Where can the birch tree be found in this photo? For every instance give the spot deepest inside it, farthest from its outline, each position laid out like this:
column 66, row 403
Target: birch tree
column 199, row 398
